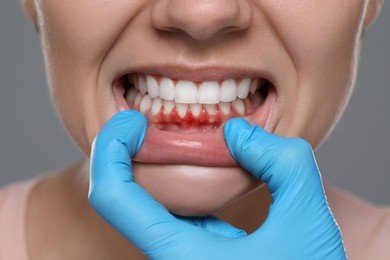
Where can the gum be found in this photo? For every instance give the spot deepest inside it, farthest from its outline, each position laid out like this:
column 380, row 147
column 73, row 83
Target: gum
column 189, row 120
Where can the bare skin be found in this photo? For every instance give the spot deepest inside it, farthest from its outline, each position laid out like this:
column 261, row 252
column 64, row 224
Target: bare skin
column 283, row 42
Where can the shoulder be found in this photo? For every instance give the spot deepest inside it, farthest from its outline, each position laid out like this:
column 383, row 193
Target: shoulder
column 13, row 202
column 365, row 227
column 14, row 194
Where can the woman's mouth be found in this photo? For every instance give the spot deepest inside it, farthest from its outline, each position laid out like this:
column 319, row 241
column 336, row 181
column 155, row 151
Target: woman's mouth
column 186, row 117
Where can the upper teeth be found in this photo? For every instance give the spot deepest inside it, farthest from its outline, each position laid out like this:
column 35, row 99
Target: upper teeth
column 188, row 92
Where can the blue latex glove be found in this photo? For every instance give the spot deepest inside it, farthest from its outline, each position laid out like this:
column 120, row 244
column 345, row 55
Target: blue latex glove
column 299, row 225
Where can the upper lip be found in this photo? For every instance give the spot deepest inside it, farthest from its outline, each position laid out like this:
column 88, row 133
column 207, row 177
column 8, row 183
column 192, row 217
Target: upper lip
column 198, row 73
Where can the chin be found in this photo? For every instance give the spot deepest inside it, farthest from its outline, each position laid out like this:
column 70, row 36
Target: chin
column 194, row 190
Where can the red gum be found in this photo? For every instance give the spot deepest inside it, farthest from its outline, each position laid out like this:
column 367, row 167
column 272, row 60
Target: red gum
column 189, row 120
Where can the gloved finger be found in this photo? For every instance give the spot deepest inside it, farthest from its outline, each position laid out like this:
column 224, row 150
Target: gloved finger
column 279, row 162
column 114, row 194
column 214, row 225
column 286, row 165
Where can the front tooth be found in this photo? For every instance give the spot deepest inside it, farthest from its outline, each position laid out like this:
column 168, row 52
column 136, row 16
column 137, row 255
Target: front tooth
column 131, row 95
column 243, row 88
column 196, row 109
column 208, row 93
column 142, row 85
column 168, row 106
column 167, row 89
column 146, row 103
column 211, row 108
column 253, row 86
column 186, row 92
column 156, row 106
column 228, row 91
column 137, row 100
column 152, row 86
column 225, row 107
column 239, row 106
column 181, row 109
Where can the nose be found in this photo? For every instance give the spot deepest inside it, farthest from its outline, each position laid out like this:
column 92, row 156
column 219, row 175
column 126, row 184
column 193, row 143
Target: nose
column 201, row 19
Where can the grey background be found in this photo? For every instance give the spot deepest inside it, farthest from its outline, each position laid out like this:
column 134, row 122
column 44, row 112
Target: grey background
column 32, row 141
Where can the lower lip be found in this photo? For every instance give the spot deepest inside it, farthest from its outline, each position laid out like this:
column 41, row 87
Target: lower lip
column 203, row 149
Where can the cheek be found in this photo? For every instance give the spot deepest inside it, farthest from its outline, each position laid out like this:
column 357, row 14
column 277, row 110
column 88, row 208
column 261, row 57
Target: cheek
column 76, row 37
column 322, row 39
column 84, row 30
column 317, row 31
column 69, row 112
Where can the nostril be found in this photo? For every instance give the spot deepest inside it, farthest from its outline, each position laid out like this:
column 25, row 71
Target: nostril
column 201, row 19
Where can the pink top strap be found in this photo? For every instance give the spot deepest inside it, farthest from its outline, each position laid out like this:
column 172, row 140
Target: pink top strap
column 13, row 204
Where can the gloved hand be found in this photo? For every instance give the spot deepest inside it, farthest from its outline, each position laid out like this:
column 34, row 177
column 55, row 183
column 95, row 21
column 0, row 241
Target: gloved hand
column 299, row 225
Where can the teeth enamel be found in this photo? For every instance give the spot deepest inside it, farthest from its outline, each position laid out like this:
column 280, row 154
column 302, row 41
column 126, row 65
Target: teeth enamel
column 196, row 109
column 208, row 93
column 181, row 109
column 142, row 86
column 167, row 89
column 186, row 92
column 152, row 86
column 153, row 94
column 253, row 86
column 137, row 100
column 156, row 106
column 130, row 97
column 168, row 106
column 211, row 108
column 243, row 88
column 145, row 105
column 228, row 91
column 239, row 106
column 225, row 107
